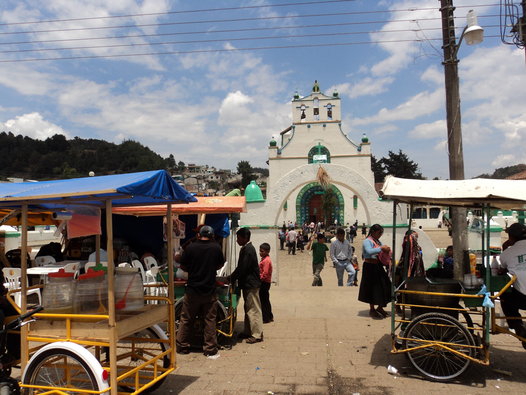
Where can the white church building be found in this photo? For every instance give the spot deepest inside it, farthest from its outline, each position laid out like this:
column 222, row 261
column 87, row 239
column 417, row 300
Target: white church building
column 315, row 138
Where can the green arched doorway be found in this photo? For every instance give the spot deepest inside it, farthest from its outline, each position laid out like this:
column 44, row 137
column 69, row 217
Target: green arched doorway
column 310, row 204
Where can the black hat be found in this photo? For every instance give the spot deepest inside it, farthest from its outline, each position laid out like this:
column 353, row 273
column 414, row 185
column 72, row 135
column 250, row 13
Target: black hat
column 516, row 230
column 206, row 231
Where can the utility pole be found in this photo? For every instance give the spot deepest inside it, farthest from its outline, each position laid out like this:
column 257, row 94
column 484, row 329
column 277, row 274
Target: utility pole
column 454, row 133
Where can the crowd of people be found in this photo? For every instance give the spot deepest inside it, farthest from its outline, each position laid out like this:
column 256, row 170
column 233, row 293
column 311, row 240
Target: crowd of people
column 253, row 275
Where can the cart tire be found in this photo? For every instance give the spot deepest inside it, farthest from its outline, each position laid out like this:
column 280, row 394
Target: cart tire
column 434, row 362
column 48, row 366
column 141, row 352
column 197, row 338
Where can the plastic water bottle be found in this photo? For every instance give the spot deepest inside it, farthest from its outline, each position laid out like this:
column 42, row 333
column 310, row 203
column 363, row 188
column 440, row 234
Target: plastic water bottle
column 494, row 266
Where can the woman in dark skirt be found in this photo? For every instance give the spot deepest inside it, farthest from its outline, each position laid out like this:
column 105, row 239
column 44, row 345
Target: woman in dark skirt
column 375, row 287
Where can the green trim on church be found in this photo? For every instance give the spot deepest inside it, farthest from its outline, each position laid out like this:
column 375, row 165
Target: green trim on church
column 304, row 196
column 319, row 154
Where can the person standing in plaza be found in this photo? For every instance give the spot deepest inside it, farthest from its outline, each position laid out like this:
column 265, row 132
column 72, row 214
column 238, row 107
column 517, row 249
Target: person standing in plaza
column 265, row 274
column 248, row 280
column 375, row 287
column 341, row 255
column 282, row 235
column 364, row 231
column 292, row 235
column 319, row 257
column 201, row 259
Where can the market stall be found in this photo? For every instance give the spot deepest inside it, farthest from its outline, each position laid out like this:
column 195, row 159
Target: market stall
column 100, row 342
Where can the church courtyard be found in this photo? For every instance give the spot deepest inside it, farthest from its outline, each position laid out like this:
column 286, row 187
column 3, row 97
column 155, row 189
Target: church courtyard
column 323, row 342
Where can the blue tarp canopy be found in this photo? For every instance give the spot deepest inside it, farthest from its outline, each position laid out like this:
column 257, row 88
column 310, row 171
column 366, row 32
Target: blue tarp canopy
column 149, row 187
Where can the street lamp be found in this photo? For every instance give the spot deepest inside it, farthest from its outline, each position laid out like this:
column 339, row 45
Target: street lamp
column 473, row 34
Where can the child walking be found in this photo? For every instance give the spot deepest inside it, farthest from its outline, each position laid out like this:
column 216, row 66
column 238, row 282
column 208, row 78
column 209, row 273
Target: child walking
column 265, row 273
column 319, row 257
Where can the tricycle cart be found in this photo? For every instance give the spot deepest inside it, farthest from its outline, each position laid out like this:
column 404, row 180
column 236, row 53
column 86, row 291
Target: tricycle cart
column 444, row 325
column 109, row 351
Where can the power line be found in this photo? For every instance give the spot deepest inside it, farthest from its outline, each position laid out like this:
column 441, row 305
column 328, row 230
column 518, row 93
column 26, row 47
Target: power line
column 232, row 20
column 177, row 12
column 224, row 40
column 324, row 2
column 295, row 46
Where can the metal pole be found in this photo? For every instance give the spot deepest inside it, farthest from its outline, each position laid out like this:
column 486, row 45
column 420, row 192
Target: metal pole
column 454, row 132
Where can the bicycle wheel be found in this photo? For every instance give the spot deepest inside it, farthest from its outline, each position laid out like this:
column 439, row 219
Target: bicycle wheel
column 439, row 330
column 59, row 368
column 139, row 348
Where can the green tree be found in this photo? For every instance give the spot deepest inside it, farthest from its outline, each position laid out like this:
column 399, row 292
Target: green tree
column 399, row 165
column 181, row 166
column 378, row 169
column 244, row 168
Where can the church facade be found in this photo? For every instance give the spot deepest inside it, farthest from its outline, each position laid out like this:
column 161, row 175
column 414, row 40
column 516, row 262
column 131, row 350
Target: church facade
column 316, row 139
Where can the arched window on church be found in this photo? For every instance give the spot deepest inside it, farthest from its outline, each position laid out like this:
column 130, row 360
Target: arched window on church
column 316, row 109
column 319, row 154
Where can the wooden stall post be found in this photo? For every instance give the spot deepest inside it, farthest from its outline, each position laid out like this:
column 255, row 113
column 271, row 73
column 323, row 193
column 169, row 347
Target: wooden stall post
column 111, row 299
column 24, row 349
column 171, row 291
column 97, row 249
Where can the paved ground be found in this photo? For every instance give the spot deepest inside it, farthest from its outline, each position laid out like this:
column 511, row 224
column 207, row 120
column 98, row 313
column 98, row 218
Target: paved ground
column 323, row 342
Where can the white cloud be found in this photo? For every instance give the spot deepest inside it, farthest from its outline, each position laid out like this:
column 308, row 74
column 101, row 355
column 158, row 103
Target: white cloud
column 429, row 130
column 423, row 103
column 233, row 110
column 33, row 125
column 367, row 86
column 508, row 160
column 28, row 81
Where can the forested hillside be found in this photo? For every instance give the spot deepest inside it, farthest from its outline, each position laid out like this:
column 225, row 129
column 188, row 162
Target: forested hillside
column 57, row 157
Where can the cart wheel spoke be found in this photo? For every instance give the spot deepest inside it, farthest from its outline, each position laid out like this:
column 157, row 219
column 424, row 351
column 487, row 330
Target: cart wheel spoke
column 60, row 368
column 436, row 362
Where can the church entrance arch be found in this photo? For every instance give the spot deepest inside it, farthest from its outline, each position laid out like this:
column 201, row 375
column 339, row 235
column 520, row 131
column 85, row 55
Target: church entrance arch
column 309, row 205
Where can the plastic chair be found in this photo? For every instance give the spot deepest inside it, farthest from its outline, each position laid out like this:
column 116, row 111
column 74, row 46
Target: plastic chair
column 149, row 262
column 44, row 260
column 137, row 264
column 12, row 277
column 73, row 267
column 124, row 264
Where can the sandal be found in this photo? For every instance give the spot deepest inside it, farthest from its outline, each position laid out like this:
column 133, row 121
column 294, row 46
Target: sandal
column 252, row 340
column 383, row 313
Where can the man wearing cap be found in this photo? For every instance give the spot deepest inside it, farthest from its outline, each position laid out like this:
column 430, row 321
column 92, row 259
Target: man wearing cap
column 513, row 259
column 201, row 260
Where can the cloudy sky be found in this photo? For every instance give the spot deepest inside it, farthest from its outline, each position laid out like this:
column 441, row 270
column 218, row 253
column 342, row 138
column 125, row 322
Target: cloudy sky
column 211, row 81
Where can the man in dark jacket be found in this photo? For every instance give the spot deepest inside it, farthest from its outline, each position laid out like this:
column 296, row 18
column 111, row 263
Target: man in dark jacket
column 201, row 260
column 247, row 276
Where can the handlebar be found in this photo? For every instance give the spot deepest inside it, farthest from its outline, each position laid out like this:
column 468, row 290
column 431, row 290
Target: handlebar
column 18, row 322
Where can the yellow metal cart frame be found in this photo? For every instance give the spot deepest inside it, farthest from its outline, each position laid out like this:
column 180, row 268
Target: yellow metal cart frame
column 438, row 334
column 114, row 339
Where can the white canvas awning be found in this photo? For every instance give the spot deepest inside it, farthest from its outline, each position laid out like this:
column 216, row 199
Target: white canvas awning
column 503, row 194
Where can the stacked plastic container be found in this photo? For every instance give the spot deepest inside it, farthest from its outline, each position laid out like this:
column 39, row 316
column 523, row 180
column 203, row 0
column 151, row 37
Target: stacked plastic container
column 59, row 292
column 91, row 296
column 129, row 289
